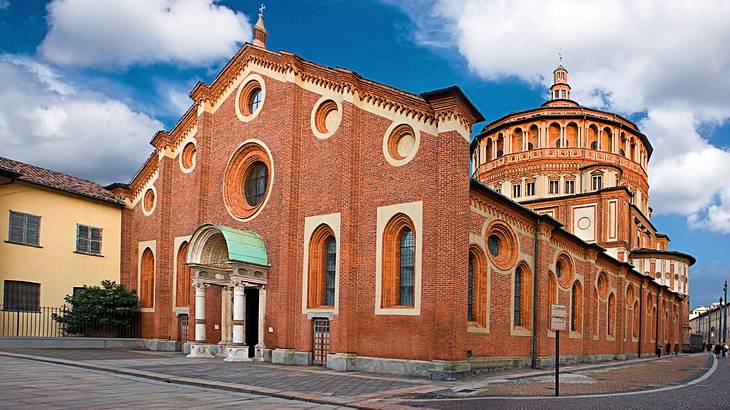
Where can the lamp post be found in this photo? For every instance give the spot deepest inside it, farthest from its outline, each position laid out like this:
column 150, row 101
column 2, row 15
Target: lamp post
column 719, row 323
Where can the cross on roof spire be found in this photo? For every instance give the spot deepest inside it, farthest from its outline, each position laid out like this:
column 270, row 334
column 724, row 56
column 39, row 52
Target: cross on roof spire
column 262, row 8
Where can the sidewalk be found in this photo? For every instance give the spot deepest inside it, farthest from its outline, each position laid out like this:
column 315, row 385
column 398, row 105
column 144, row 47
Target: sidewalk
column 367, row 390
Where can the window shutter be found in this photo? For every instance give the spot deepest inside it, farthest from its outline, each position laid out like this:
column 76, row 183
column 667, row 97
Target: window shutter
column 32, row 226
column 95, row 240
column 82, row 238
column 17, row 221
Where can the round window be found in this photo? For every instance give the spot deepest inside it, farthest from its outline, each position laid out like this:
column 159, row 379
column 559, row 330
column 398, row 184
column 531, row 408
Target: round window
column 188, row 156
column 502, row 245
column 400, row 145
column 247, row 181
column 148, row 202
column 257, row 176
column 250, row 99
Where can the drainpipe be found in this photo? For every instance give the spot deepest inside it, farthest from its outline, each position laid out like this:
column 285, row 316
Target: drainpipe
column 641, row 313
column 533, row 362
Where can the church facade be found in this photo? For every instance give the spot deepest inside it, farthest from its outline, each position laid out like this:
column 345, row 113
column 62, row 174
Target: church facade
column 303, row 215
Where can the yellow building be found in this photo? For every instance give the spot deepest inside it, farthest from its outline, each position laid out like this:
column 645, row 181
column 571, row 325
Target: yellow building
column 59, row 232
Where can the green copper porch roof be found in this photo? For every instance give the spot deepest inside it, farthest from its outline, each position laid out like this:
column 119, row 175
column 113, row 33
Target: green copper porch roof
column 244, row 246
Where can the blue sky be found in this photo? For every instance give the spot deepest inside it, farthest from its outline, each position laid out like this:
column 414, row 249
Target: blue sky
column 87, row 85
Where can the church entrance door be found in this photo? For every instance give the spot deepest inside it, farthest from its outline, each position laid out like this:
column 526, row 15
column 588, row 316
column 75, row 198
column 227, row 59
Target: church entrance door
column 320, row 341
column 252, row 320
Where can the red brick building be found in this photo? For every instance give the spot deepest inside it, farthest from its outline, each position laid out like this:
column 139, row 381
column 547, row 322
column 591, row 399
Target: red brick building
column 323, row 218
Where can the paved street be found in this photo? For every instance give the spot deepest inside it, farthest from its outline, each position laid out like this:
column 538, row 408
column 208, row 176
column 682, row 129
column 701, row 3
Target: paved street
column 26, row 384
column 710, row 393
column 101, row 378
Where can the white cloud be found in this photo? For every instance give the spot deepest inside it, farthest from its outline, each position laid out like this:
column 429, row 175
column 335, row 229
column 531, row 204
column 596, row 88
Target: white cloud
column 666, row 59
column 122, row 33
column 48, row 122
column 4, row 4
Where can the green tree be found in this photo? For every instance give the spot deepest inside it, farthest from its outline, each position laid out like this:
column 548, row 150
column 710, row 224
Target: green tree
column 100, row 310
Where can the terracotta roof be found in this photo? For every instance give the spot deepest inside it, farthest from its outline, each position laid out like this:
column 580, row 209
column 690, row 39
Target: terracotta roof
column 58, row 181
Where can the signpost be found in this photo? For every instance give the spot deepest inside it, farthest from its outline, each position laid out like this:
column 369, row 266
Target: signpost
column 558, row 322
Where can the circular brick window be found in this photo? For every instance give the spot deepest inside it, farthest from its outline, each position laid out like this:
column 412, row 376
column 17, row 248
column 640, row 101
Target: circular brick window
column 564, row 271
column 250, row 98
column 630, row 296
column 400, row 144
column 247, row 182
column 326, row 118
column 501, row 245
column 148, row 202
column 602, row 285
column 187, row 158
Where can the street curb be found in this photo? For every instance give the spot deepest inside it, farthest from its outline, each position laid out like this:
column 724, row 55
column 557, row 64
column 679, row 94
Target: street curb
column 240, row 388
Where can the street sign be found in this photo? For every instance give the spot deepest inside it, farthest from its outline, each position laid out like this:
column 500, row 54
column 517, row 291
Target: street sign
column 558, row 318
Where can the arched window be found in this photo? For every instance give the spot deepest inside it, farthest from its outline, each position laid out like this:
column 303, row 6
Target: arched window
column 576, row 308
column 477, row 282
column 532, row 138
column 635, row 327
column 554, row 135
column 147, row 279
column 592, row 137
column 597, row 316
column 606, row 140
column 611, row 315
column 653, row 328
column 489, row 149
column 182, row 287
column 571, row 135
column 521, row 297
column 500, row 145
column 552, row 290
column 257, row 177
column 322, row 268
column 517, row 140
column 399, row 260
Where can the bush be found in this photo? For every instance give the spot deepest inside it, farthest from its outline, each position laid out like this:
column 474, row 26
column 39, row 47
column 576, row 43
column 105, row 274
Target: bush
column 101, row 310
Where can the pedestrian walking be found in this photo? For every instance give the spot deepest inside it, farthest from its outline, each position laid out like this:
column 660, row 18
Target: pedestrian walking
column 676, row 349
column 658, row 350
column 716, row 350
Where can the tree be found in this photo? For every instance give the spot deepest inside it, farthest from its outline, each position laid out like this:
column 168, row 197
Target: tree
column 106, row 310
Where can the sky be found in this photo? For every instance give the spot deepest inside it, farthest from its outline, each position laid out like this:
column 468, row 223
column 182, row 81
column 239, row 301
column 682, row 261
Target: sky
column 87, row 83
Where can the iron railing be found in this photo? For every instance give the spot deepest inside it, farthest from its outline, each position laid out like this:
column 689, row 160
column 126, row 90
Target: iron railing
column 40, row 322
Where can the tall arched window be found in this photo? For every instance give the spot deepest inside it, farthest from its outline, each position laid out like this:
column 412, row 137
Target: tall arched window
column 477, row 282
column 576, row 307
column 517, row 140
column 322, row 268
column 606, row 140
column 554, row 135
column 532, row 139
column 521, row 302
column 597, row 320
column 611, row 315
column 399, row 260
column 571, row 135
column 518, row 298
column 489, row 150
column 552, row 290
column 635, row 327
column 147, row 279
column 182, row 287
column 407, row 266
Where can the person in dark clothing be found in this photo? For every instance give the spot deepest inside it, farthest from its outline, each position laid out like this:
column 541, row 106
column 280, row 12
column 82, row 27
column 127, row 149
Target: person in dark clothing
column 658, row 350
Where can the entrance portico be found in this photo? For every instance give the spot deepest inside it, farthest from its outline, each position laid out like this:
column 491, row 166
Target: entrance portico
column 237, row 261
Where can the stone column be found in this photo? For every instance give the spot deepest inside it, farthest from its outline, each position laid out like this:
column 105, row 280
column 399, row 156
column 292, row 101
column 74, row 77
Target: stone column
column 238, row 351
column 200, row 347
column 226, row 314
column 260, row 347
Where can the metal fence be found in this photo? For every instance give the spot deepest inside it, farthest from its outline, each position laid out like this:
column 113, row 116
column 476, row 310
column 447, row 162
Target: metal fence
column 40, row 322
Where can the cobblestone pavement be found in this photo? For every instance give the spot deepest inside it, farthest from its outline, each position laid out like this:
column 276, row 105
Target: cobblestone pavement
column 26, row 384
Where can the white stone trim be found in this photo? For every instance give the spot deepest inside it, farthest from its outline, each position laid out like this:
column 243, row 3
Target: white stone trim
column 140, row 249
column 269, row 188
column 337, row 99
column 177, row 242
column 413, row 210
column 416, row 144
column 250, row 77
column 311, row 223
